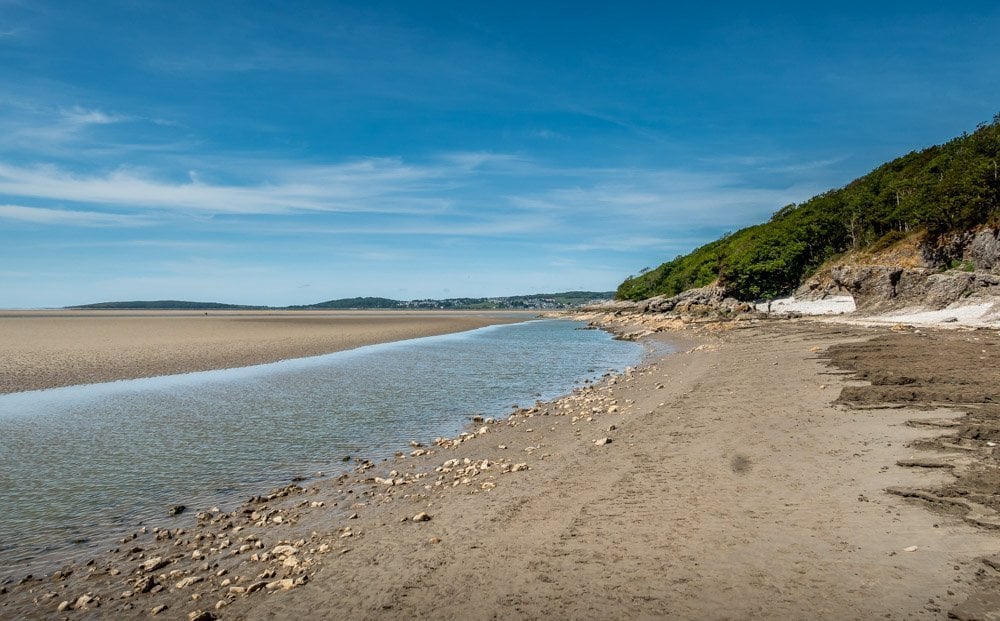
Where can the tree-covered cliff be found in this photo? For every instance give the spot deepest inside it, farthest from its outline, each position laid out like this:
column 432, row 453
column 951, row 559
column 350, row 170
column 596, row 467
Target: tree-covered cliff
column 942, row 189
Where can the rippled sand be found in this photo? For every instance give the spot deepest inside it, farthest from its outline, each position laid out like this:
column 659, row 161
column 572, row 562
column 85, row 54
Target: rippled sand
column 45, row 349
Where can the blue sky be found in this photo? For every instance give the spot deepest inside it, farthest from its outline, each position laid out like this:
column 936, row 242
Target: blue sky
column 293, row 152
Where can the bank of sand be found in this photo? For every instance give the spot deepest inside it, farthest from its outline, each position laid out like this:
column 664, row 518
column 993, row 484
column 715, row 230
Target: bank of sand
column 45, row 349
column 732, row 487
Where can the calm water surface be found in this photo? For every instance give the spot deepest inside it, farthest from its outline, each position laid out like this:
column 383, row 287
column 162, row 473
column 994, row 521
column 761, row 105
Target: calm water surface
column 81, row 463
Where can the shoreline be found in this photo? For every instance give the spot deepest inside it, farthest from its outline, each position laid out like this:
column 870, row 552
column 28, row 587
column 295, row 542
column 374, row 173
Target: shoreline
column 664, row 491
column 89, row 544
column 51, row 349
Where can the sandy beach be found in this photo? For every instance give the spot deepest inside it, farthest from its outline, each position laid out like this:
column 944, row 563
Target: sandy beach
column 45, row 349
column 761, row 473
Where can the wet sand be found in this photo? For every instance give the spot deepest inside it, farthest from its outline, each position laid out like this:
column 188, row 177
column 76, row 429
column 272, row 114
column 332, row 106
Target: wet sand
column 729, row 481
column 45, row 349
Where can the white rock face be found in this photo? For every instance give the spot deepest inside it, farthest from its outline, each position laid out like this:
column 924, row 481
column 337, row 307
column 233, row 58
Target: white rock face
column 833, row 305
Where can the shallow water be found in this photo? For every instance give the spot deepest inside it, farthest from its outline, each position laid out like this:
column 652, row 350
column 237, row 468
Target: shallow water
column 80, row 463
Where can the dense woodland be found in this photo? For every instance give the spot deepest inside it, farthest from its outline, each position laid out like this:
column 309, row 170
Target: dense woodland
column 942, row 189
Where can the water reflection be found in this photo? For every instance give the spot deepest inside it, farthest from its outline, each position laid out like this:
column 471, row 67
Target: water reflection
column 78, row 462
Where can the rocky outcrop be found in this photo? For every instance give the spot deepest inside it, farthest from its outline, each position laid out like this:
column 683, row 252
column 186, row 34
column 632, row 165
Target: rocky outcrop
column 915, row 274
column 820, row 288
column 703, row 300
column 983, row 250
column 878, row 287
column 979, row 249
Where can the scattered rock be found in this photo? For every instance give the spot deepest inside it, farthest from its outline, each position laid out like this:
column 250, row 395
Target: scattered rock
column 153, row 564
column 421, row 517
column 176, row 510
column 144, row 584
column 284, row 550
column 201, row 615
column 911, row 549
column 186, row 582
column 86, row 600
column 286, row 584
column 602, row 441
column 158, row 609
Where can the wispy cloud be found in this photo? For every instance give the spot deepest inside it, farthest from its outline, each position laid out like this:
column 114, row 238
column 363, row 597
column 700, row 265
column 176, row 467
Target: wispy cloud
column 675, row 200
column 371, row 186
column 454, row 194
column 807, row 166
column 79, row 117
column 37, row 130
column 68, row 217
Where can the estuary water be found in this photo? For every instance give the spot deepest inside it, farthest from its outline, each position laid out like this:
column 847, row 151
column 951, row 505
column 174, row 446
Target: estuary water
column 81, row 463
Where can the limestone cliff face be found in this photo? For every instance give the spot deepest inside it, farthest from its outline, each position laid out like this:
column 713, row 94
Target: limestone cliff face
column 883, row 282
column 883, row 287
column 983, row 250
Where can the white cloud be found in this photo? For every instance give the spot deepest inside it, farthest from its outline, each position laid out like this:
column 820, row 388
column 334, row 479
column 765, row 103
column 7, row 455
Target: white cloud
column 370, row 186
column 665, row 200
column 78, row 116
column 42, row 215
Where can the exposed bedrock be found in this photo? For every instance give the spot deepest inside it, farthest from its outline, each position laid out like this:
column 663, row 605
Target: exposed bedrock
column 980, row 249
column 879, row 286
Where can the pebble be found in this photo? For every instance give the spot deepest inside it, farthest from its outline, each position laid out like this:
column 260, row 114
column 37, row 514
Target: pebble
column 186, row 582
column 285, row 583
column 421, row 517
column 602, row 441
column 158, row 609
column 153, row 564
column 144, row 584
column 911, row 549
column 85, row 600
column 284, row 550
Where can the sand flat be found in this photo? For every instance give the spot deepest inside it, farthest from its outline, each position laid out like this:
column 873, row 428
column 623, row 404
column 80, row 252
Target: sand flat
column 733, row 486
column 46, row 349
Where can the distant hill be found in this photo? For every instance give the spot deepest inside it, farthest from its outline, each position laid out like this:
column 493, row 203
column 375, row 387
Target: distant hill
column 942, row 190
column 535, row 301
column 164, row 305
column 353, row 304
column 538, row 301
